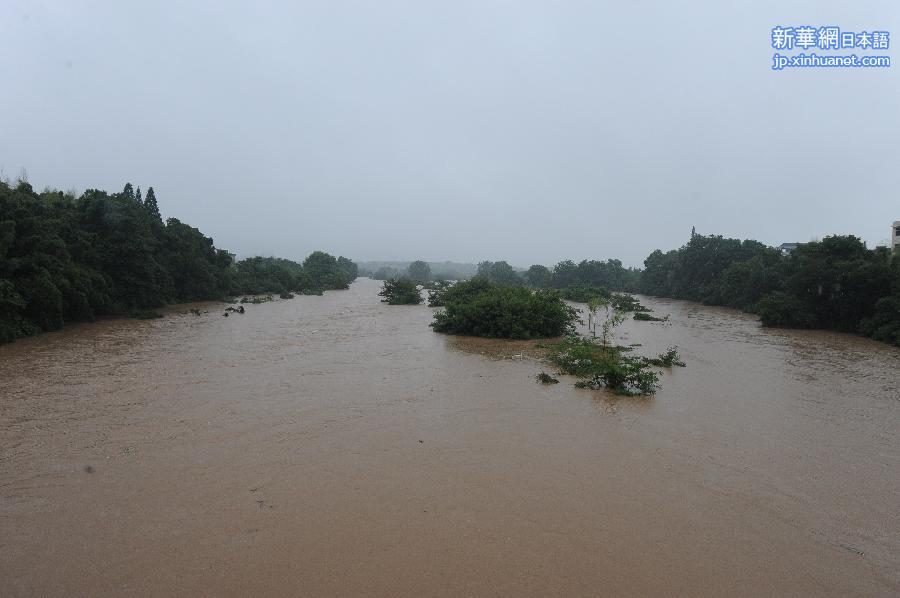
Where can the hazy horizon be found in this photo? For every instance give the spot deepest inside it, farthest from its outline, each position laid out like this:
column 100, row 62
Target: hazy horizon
column 525, row 132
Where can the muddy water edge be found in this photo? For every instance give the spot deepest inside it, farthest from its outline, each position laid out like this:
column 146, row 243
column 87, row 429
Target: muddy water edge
column 335, row 446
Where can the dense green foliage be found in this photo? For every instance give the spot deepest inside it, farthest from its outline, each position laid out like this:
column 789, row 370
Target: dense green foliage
column 884, row 325
column 400, row 291
column 258, row 275
column 479, row 307
column 324, row 271
column 319, row 272
column 66, row 259
column 832, row 284
column 836, row 283
column 715, row 271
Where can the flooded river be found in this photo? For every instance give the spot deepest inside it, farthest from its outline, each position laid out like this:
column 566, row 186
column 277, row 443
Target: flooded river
column 336, row 446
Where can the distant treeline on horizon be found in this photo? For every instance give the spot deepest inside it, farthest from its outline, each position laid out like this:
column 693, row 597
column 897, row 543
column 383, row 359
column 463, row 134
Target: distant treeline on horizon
column 382, row 270
column 66, row 259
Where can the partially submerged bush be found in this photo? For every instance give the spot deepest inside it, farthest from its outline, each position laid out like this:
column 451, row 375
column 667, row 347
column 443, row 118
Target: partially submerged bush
column 604, row 366
column 581, row 293
column 260, row 299
column 610, row 319
column 479, row 307
column 624, row 302
column 666, row 360
column 146, row 314
column 437, row 292
column 642, row 316
column 545, row 378
column 400, row 291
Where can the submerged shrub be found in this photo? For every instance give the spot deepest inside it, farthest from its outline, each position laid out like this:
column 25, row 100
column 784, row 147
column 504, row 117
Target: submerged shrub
column 479, row 307
column 147, row 314
column 604, row 366
column 581, row 293
column 400, row 291
column 437, row 292
column 642, row 316
column 545, row 378
column 623, row 302
column 666, row 360
column 257, row 300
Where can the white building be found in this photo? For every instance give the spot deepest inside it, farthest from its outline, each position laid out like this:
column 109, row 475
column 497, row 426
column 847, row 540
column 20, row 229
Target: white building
column 895, row 237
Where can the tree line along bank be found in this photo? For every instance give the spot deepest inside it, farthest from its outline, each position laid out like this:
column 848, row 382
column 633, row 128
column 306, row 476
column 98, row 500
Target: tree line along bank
column 68, row 259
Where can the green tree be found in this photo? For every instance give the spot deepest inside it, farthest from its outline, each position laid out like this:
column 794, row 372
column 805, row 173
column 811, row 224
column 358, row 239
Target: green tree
column 321, row 270
column 499, row 272
column 347, row 268
column 835, row 283
column 743, row 284
column 419, row 271
column 196, row 269
column 538, row 276
column 385, row 272
column 151, row 205
column 697, row 270
column 565, row 274
column 400, row 291
column 479, row 307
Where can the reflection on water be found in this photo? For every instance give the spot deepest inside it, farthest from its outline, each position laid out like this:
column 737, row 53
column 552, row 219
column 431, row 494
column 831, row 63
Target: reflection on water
column 337, row 446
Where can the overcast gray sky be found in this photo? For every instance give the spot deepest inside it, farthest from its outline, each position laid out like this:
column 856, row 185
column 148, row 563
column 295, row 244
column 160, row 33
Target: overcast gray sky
column 525, row 131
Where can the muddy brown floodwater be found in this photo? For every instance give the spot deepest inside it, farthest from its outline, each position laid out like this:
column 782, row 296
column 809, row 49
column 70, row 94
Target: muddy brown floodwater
column 335, row 446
